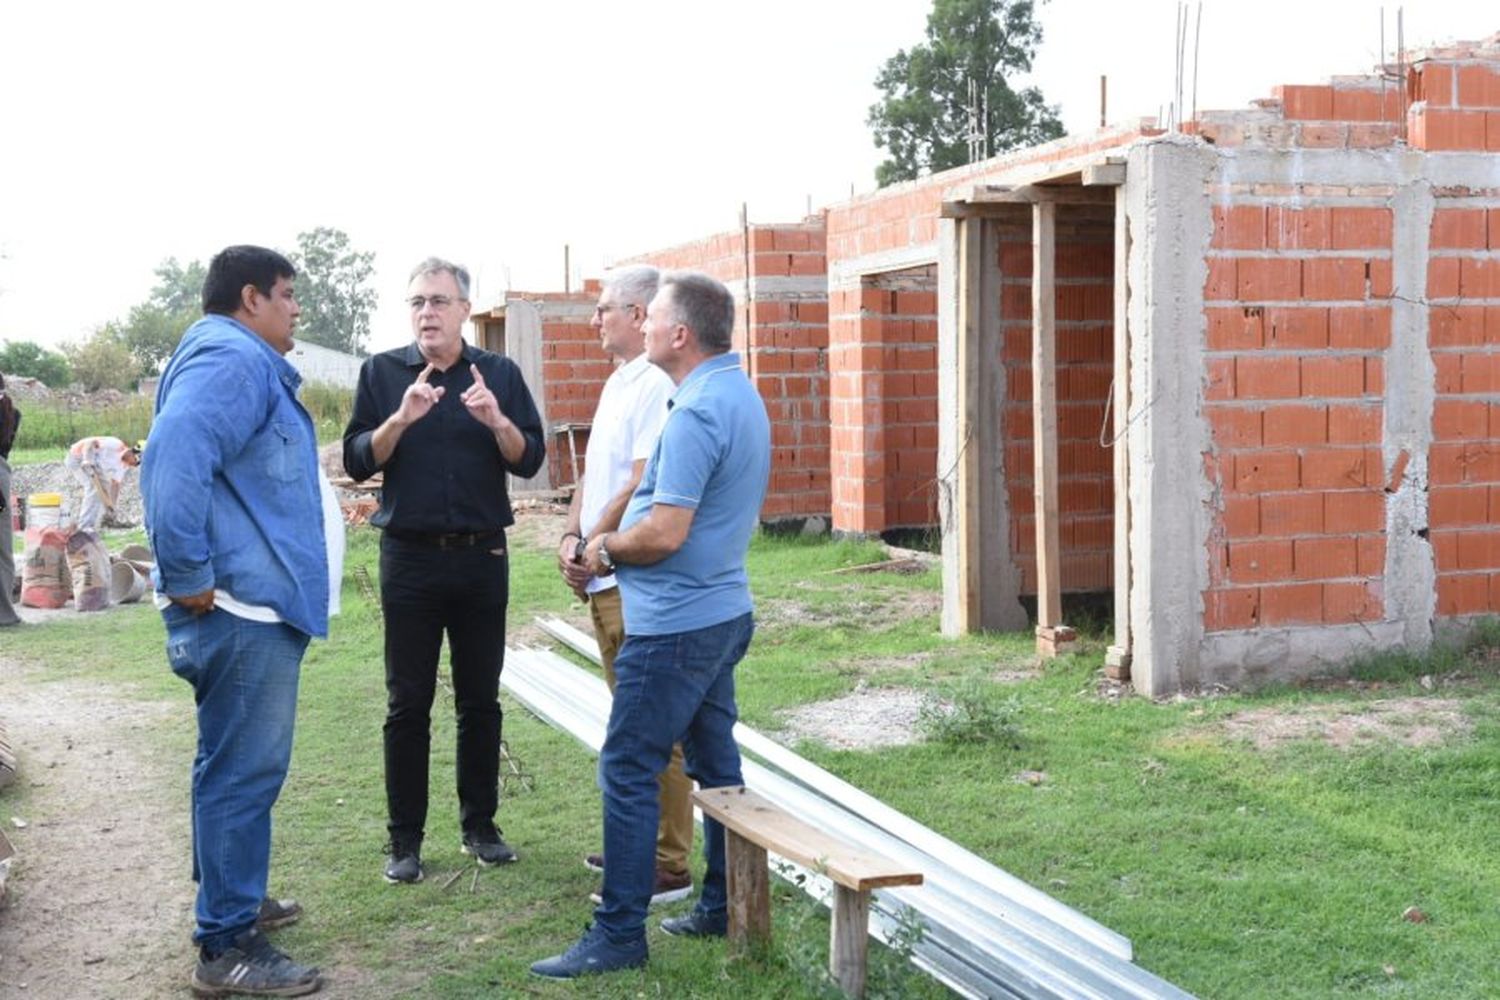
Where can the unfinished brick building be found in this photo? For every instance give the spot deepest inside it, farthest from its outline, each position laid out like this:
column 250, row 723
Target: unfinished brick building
column 1244, row 375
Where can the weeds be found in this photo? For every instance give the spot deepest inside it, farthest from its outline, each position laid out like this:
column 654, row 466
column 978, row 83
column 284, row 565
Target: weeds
column 971, row 710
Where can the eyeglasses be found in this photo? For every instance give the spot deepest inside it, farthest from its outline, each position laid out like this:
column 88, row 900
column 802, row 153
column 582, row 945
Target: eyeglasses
column 438, row 302
column 600, row 310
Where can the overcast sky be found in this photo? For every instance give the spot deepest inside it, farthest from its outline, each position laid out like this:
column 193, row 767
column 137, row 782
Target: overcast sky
column 494, row 133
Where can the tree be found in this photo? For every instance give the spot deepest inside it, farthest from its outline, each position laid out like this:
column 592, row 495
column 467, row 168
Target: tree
column 333, row 291
column 179, row 289
column 32, row 360
column 924, row 120
column 103, row 361
column 151, row 333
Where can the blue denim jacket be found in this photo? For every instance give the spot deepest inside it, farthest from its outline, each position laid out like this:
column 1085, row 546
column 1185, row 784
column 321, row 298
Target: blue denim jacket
column 229, row 478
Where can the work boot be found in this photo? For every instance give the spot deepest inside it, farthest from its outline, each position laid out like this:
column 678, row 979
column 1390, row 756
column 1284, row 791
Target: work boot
column 403, row 863
column 486, row 847
column 594, row 863
column 696, row 925
column 592, row 954
column 276, row 913
column 252, row 967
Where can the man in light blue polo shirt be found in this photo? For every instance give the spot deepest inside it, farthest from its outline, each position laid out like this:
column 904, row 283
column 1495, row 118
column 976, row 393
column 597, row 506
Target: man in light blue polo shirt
column 679, row 557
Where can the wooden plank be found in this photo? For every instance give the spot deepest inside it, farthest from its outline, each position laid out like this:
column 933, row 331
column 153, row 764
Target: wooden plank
column 1032, row 194
column 1117, row 658
column 849, row 940
column 753, row 818
column 1044, row 411
column 748, row 883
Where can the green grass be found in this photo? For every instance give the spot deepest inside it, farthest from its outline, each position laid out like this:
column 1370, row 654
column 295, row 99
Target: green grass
column 1236, row 872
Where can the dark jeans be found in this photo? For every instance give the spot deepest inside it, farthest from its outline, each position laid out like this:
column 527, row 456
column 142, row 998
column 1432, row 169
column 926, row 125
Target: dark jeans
column 424, row 593
column 668, row 689
column 244, row 677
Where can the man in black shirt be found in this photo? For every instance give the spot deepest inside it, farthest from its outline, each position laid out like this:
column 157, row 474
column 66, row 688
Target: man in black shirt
column 445, row 422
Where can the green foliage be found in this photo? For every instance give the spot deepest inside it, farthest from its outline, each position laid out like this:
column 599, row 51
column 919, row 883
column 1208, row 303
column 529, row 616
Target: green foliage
column 179, row 289
column 971, row 710
column 32, row 360
column 333, row 290
column 151, row 330
column 329, row 406
column 103, row 361
column 49, row 428
column 924, row 118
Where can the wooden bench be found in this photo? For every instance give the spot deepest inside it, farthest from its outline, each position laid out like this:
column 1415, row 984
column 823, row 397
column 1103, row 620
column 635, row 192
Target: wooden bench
column 752, row 827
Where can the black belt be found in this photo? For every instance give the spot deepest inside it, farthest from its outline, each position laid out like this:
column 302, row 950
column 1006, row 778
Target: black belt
column 449, row 540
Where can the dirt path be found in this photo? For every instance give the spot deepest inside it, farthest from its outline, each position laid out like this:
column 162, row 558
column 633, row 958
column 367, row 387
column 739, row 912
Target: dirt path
column 100, row 897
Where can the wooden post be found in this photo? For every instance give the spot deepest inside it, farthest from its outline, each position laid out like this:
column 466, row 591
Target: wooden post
column 1052, row 635
column 749, row 888
column 966, row 478
column 849, row 939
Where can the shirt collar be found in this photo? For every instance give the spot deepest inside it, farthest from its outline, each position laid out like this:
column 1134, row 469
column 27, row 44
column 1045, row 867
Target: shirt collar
column 412, row 357
column 706, row 369
column 285, row 370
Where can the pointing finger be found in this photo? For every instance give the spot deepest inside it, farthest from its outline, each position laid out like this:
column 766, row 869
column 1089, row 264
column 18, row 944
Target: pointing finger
column 426, row 373
column 478, row 378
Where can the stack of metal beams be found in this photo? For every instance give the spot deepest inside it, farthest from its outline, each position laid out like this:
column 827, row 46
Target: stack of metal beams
column 984, row 932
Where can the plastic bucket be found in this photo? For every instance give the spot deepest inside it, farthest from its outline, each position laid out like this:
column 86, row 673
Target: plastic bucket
column 126, row 584
column 44, row 510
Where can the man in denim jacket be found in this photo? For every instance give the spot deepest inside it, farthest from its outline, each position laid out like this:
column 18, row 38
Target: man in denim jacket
column 235, row 519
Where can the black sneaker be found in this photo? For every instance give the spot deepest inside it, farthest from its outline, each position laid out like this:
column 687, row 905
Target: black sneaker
column 252, row 967
column 696, row 925
column 486, row 847
column 276, row 913
column 403, row 863
column 669, row 888
column 594, row 862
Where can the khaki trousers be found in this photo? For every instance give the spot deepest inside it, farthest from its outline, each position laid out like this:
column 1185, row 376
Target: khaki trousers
column 674, row 834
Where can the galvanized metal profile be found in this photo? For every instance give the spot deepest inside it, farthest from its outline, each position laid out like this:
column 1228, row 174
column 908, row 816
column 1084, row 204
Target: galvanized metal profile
column 977, row 940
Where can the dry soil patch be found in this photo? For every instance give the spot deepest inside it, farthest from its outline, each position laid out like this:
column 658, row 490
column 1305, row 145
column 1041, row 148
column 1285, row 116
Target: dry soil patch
column 1413, row 722
column 865, row 719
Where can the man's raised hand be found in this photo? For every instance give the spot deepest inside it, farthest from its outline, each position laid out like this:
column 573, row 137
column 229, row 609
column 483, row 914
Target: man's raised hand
column 481, row 403
column 419, row 398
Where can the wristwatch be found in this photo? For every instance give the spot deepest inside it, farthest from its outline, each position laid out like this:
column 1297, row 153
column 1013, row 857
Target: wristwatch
column 604, row 556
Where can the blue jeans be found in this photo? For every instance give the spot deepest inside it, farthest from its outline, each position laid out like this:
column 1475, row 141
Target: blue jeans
column 244, row 677
column 668, row 689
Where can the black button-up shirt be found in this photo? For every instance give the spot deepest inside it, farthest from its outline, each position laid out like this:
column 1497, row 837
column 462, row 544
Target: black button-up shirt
column 447, row 473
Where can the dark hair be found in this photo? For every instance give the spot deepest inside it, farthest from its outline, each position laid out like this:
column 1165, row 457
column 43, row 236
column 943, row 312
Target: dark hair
column 235, row 267
column 703, row 305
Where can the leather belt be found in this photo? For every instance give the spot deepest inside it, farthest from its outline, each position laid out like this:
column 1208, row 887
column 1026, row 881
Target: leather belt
column 449, row 540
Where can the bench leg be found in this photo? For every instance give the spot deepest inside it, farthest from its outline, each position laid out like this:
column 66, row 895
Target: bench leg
column 749, row 886
column 849, row 939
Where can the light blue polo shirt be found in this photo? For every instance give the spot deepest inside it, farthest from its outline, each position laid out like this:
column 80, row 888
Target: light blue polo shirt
column 714, row 455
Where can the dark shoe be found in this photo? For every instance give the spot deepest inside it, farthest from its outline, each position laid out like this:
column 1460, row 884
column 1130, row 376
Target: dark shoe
column 252, row 967
column 594, row 863
column 669, row 888
column 486, row 847
column 276, row 913
column 593, row 954
column 696, row 925
column 403, row 863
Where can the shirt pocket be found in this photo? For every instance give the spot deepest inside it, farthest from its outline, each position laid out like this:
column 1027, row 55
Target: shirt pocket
column 281, row 447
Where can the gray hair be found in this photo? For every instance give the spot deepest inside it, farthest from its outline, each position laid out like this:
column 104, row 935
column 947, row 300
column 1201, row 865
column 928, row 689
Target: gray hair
column 635, row 285
column 703, row 305
column 437, row 265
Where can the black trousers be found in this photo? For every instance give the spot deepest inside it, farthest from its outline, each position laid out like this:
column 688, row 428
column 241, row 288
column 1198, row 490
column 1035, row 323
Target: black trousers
column 426, row 592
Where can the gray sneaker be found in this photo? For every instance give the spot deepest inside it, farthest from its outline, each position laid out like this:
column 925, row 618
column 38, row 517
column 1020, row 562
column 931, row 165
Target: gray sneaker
column 253, row 967
column 276, row 913
column 486, row 847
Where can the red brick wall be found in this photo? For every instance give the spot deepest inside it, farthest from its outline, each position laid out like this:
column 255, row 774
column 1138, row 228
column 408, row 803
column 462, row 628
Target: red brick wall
column 1084, row 272
column 1297, row 323
column 782, row 334
column 1463, row 289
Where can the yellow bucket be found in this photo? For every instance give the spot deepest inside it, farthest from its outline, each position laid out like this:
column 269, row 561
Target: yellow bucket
column 44, row 510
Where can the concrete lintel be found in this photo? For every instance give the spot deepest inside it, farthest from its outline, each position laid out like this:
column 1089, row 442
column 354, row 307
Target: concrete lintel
column 847, row 273
column 1322, row 167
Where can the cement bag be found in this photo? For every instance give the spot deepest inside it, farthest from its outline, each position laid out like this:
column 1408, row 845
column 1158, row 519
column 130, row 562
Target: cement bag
column 46, row 581
column 89, row 561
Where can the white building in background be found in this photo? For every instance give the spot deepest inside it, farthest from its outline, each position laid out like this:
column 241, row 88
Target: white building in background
column 323, row 364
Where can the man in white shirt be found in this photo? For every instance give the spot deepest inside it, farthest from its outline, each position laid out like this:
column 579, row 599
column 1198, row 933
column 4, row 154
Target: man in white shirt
column 99, row 464
column 626, row 424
